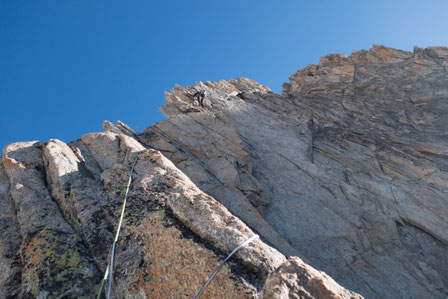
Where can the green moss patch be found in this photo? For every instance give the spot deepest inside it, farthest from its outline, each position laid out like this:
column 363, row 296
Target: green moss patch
column 57, row 262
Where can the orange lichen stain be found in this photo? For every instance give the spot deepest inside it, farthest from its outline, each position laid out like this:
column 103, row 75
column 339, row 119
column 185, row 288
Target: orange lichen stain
column 12, row 163
column 345, row 70
column 176, row 267
column 421, row 100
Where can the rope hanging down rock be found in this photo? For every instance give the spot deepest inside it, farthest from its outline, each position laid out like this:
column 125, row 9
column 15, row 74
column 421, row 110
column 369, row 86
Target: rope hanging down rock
column 110, row 266
column 222, row 264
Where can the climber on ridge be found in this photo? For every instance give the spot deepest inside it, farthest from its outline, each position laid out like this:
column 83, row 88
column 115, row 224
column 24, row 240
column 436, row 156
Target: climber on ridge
column 200, row 97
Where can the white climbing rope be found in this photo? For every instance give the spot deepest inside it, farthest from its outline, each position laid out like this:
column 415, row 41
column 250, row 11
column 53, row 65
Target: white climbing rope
column 222, row 264
column 109, row 269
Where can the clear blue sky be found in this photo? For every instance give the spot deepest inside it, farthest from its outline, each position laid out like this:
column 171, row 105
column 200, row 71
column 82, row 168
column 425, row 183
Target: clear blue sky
column 65, row 66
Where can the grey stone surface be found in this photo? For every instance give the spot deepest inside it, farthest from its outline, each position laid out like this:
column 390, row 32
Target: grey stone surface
column 60, row 207
column 10, row 240
column 81, row 198
column 295, row 279
column 352, row 154
column 53, row 257
column 346, row 170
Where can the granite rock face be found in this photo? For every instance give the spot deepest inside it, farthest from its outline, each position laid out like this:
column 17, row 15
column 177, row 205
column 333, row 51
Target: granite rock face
column 348, row 165
column 345, row 172
column 295, row 279
column 60, row 206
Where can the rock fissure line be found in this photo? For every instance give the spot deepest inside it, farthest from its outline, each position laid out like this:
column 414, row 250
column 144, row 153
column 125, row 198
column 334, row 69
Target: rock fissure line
column 355, row 126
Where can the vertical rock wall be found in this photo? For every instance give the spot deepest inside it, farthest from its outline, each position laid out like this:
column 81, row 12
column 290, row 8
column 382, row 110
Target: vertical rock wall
column 347, row 170
column 348, row 166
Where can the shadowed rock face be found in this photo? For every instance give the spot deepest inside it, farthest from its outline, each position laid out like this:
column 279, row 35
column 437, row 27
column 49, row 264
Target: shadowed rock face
column 347, row 169
column 348, row 166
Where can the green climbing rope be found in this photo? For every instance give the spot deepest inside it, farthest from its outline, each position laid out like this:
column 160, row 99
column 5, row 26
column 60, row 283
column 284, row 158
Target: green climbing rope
column 110, row 265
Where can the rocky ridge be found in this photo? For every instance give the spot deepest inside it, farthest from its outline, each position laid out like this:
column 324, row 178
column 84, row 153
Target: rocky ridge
column 347, row 169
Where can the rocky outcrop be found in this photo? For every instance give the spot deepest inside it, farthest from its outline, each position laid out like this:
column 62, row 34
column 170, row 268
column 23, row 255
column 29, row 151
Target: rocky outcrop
column 63, row 204
column 295, row 279
column 347, row 169
column 348, row 165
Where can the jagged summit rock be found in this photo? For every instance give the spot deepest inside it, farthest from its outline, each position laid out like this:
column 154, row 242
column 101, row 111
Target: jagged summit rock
column 346, row 172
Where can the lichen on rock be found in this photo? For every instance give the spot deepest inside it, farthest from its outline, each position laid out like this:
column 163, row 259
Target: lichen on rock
column 345, row 172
